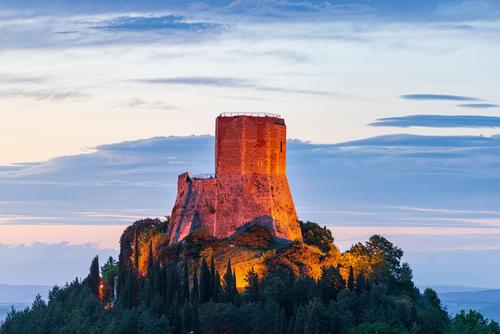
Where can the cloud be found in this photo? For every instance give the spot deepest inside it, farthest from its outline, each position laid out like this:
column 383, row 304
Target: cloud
column 41, row 95
column 155, row 105
column 478, row 105
column 438, row 97
column 388, row 10
column 201, row 81
column 231, row 82
column 155, row 23
column 47, row 264
column 8, row 78
column 392, row 170
column 467, row 9
column 439, row 121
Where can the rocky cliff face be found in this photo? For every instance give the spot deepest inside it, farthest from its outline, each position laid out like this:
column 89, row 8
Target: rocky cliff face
column 249, row 188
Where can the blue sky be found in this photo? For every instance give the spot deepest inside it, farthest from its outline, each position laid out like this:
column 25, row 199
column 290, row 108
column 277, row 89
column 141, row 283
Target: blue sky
column 395, row 105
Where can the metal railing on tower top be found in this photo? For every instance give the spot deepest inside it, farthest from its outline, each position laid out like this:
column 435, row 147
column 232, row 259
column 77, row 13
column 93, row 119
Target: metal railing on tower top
column 253, row 114
column 204, row 176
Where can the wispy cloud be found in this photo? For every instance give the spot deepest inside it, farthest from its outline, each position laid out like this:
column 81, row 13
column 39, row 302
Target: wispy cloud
column 439, row 121
column 8, row 78
column 155, row 23
column 438, row 97
column 478, row 105
column 231, row 82
column 155, row 105
column 447, row 211
column 410, row 10
column 42, row 95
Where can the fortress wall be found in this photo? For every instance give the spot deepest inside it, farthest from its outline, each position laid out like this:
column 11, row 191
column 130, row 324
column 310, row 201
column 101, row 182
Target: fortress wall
column 177, row 221
column 228, row 146
column 250, row 185
column 194, row 207
column 256, row 199
column 278, row 148
column 250, row 145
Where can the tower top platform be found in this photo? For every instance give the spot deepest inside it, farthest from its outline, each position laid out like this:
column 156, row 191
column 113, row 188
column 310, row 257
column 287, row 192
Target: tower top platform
column 249, row 114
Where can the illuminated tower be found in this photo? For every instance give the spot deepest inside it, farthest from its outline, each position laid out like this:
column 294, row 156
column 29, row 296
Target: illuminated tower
column 250, row 185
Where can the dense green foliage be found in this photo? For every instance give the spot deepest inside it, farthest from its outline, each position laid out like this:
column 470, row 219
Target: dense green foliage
column 173, row 299
column 316, row 235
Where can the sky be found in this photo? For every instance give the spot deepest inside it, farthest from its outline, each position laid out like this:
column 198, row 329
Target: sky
column 392, row 106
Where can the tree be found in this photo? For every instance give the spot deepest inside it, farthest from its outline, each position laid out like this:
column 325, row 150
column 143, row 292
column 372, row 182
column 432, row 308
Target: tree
column 230, row 291
column 94, row 277
column 217, row 287
column 252, row 289
column 136, row 249
column 151, row 258
column 330, row 283
column 318, row 236
column 109, row 271
column 185, row 282
column 405, row 274
column 213, row 288
column 433, row 318
column 472, row 322
column 194, row 290
column 360, row 282
column 350, row 279
column 390, row 254
column 205, row 286
column 377, row 328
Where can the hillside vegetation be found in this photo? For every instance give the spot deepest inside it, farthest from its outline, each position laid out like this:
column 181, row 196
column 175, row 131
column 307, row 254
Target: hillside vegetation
column 245, row 284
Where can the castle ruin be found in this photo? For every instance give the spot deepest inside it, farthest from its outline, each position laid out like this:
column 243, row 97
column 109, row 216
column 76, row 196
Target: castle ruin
column 249, row 187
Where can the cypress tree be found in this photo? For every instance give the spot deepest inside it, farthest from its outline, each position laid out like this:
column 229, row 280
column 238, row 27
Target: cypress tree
column 350, row 279
column 194, row 290
column 94, row 278
column 173, row 285
column 217, row 287
column 360, row 282
column 185, row 282
column 235, row 289
column 229, row 283
column 204, row 282
column 136, row 249
column 252, row 289
column 212, row 279
column 149, row 284
column 150, row 257
column 131, row 289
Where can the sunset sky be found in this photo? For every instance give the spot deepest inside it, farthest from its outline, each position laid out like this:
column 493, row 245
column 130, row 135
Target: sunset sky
column 77, row 78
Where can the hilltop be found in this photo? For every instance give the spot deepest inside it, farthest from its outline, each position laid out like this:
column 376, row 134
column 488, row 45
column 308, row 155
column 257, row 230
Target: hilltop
column 201, row 286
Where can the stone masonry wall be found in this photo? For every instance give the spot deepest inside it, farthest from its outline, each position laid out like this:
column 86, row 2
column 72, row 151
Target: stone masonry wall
column 250, row 186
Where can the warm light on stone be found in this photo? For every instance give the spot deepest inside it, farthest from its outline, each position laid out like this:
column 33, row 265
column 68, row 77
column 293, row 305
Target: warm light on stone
column 249, row 187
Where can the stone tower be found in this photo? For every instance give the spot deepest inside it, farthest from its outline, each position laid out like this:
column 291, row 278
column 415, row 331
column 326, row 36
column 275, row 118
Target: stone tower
column 249, row 187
